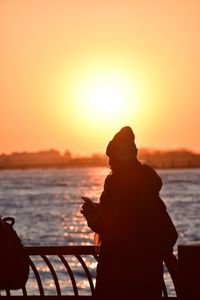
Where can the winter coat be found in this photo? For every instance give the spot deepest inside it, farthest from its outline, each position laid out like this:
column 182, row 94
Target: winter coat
column 136, row 234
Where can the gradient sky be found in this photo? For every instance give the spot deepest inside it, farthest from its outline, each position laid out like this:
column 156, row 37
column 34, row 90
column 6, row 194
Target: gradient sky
column 53, row 53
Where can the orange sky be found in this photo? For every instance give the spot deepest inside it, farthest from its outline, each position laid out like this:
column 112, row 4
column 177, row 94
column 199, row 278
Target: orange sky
column 53, row 54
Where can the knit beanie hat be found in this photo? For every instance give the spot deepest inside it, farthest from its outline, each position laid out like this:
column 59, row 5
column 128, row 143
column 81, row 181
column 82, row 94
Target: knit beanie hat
column 122, row 146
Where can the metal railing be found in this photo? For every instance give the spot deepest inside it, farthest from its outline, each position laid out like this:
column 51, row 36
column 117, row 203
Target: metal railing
column 57, row 272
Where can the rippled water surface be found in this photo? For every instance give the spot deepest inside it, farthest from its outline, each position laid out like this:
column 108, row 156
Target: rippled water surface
column 46, row 203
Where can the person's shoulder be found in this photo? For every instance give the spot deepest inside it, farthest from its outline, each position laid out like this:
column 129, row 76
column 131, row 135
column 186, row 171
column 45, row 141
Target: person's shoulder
column 149, row 169
column 152, row 176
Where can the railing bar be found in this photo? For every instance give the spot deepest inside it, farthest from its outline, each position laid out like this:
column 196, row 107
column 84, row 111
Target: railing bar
column 96, row 257
column 52, row 297
column 69, row 270
column 7, row 292
column 164, row 289
column 37, row 276
column 172, row 265
column 53, row 273
column 63, row 250
column 24, row 291
column 86, row 272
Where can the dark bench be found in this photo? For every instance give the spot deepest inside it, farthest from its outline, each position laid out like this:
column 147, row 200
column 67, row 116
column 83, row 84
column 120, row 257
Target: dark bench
column 66, row 272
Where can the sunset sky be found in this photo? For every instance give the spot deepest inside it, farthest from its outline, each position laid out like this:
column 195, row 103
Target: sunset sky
column 73, row 72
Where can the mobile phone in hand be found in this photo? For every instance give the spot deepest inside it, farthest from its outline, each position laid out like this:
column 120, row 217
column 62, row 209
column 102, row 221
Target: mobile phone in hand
column 86, row 199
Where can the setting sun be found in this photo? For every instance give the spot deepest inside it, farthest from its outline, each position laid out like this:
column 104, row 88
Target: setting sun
column 107, row 97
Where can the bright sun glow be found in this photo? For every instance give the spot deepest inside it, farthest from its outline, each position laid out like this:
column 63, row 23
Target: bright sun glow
column 107, row 97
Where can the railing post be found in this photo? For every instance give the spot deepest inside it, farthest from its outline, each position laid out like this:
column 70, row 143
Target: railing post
column 189, row 262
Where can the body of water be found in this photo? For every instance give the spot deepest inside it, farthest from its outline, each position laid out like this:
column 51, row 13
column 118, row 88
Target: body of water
column 46, row 203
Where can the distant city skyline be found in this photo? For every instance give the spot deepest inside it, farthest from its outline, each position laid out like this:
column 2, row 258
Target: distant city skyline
column 53, row 158
column 72, row 154
column 74, row 72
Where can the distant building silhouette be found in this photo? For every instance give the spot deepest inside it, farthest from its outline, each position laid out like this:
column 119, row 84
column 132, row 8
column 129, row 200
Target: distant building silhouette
column 156, row 158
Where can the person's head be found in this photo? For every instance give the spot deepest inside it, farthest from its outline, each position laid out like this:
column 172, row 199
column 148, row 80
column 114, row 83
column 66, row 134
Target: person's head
column 122, row 150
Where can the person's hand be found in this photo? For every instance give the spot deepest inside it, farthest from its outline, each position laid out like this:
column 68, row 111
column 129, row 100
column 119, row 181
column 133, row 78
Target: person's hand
column 88, row 207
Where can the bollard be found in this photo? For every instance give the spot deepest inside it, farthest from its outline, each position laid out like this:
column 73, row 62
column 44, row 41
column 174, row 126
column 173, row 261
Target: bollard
column 189, row 262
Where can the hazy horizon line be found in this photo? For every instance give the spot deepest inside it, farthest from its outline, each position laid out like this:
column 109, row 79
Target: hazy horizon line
column 73, row 154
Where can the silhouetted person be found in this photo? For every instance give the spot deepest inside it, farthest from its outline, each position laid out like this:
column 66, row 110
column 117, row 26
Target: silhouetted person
column 135, row 229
